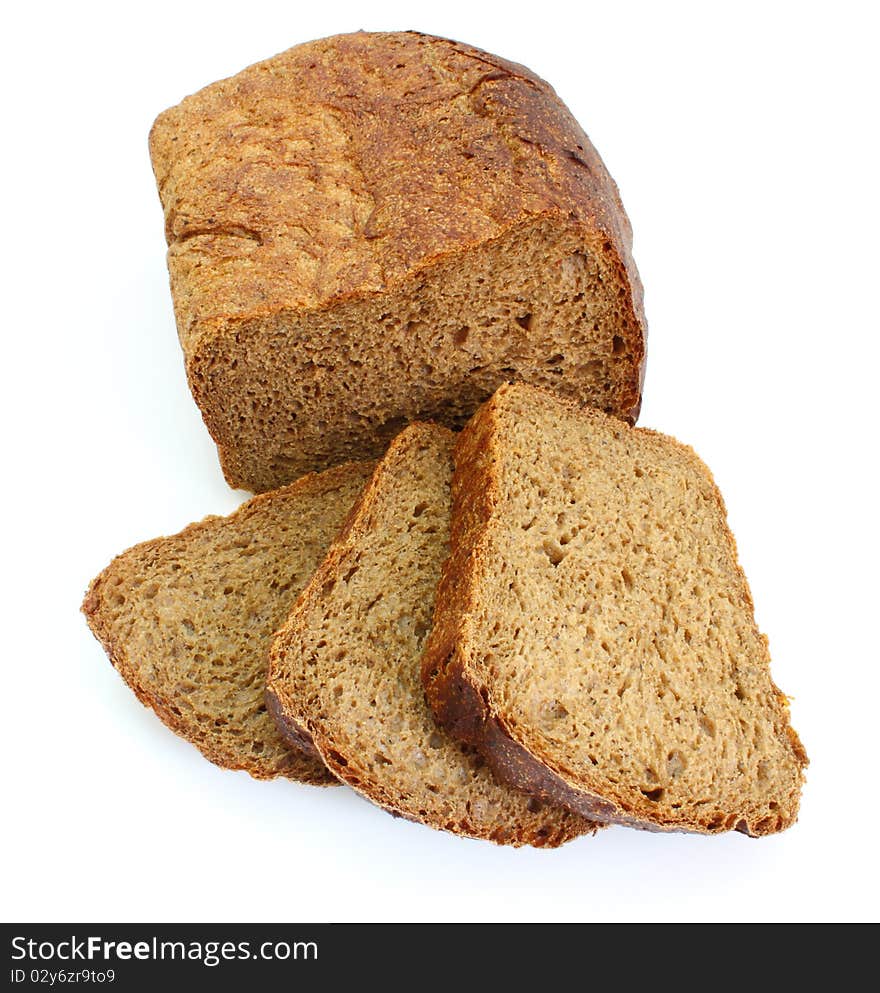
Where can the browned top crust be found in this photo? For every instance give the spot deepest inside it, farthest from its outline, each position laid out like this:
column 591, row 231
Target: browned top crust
column 342, row 166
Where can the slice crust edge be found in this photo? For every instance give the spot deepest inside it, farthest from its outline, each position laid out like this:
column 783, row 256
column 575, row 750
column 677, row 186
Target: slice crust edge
column 298, row 765
column 462, row 700
column 298, row 725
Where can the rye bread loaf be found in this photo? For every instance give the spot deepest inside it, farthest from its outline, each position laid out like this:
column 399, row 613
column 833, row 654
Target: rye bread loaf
column 344, row 671
column 377, row 228
column 187, row 620
column 594, row 633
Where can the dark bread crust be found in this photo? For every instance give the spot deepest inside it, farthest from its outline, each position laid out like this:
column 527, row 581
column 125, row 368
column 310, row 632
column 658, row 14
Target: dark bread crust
column 293, row 733
column 460, row 699
column 461, row 708
column 357, row 104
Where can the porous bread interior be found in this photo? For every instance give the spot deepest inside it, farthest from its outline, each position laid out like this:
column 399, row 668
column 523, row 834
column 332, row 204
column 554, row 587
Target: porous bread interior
column 346, row 666
column 297, row 390
column 188, row 619
column 615, row 627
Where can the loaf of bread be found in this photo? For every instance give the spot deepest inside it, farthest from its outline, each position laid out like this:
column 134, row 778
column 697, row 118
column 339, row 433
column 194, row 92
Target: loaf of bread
column 344, row 673
column 377, row 228
column 594, row 633
column 187, row 620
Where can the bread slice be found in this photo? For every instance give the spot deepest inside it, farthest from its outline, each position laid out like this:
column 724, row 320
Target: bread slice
column 187, row 620
column 594, row 633
column 344, row 670
column 377, row 228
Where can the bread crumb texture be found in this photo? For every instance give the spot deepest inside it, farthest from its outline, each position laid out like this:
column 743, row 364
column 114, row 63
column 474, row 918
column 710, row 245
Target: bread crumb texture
column 345, row 668
column 595, row 633
column 188, row 619
column 375, row 228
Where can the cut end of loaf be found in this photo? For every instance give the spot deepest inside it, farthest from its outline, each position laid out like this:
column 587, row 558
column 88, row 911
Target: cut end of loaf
column 594, row 616
column 293, row 390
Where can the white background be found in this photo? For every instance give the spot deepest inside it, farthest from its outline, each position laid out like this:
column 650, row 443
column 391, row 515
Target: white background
column 743, row 138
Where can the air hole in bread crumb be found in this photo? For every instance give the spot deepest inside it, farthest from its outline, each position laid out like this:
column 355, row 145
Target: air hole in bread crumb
column 461, row 335
column 525, row 322
column 381, row 759
column 556, row 359
column 627, row 578
column 654, row 795
column 553, row 552
column 419, row 509
column 675, row 764
column 534, row 805
column 435, row 740
column 555, row 710
column 618, row 345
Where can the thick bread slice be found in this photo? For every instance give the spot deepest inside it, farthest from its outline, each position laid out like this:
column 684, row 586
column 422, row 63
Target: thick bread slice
column 344, row 671
column 378, row 228
column 187, row 620
column 594, row 633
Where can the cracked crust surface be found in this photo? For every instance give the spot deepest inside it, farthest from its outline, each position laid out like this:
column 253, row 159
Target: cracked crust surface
column 393, row 190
